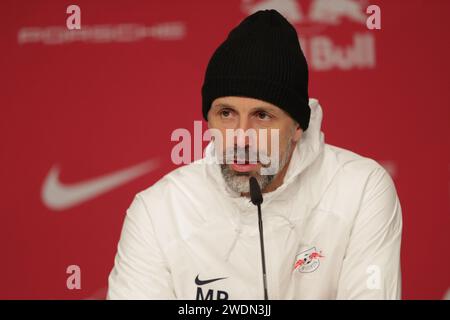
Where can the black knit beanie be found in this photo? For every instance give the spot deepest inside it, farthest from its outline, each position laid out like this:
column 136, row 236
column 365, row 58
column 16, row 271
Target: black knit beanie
column 262, row 59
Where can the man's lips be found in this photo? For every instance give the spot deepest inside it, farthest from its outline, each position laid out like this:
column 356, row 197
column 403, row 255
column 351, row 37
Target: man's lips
column 244, row 167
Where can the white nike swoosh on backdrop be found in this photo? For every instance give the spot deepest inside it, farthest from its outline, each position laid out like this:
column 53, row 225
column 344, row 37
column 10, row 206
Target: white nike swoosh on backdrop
column 58, row 196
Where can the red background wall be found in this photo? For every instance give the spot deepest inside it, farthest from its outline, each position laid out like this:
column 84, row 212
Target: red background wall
column 96, row 106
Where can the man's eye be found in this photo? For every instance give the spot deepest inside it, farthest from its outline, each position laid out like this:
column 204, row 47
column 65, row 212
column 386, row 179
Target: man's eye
column 225, row 113
column 263, row 115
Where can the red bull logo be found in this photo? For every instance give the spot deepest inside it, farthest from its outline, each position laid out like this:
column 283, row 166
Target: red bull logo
column 319, row 23
column 308, row 260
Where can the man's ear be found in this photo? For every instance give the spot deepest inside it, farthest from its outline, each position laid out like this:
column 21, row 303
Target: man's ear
column 297, row 133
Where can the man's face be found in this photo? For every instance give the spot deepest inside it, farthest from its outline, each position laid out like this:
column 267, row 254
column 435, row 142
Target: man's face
column 247, row 113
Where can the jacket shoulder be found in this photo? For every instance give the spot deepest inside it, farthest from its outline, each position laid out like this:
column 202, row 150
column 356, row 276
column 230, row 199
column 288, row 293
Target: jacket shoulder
column 351, row 162
column 181, row 179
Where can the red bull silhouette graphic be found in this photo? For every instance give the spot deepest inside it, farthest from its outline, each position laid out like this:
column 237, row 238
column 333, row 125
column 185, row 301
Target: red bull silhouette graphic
column 307, row 261
column 329, row 12
column 332, row 11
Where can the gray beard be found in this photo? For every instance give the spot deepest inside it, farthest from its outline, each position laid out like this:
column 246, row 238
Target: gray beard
column 238, row 181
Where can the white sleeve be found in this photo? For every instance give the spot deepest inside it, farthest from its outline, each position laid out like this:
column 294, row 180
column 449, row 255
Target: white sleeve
column 371, row 267
column 140, row 270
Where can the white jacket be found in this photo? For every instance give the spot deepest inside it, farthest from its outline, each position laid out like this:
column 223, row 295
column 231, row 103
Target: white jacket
column 332, row 230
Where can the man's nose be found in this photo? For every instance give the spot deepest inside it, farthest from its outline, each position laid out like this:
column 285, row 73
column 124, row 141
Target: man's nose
column 241, row 138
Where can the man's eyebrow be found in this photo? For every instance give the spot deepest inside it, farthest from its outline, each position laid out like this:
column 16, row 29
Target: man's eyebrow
column 223, row 105
column 263, row 108
column 253, row 109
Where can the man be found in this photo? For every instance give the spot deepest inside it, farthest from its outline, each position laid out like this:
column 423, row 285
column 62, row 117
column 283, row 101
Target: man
column 332, row 218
